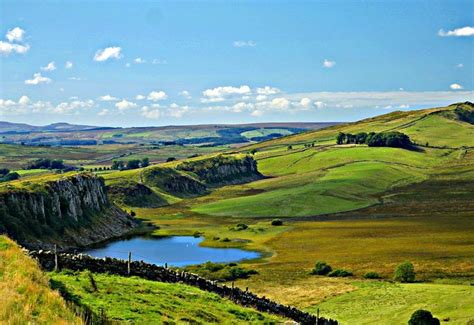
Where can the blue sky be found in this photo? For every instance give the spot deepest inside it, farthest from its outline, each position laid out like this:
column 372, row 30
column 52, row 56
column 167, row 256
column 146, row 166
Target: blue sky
column 136, row 63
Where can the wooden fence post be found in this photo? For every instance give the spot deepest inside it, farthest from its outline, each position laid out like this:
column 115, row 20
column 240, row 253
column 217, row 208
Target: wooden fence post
column 55, row 258
column 129, row 261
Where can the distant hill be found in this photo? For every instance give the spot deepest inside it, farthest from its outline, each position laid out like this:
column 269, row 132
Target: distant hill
column 8, row 127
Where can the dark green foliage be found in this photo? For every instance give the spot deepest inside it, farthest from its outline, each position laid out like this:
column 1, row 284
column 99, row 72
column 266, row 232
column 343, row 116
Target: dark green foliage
column 423, row 317
column 384, row 139
column 170, row 159
column 321, row 268
column 465, row 114
column 221, row 272
column 118, row 165
column 340, row 273
column 290, row 147
column 372, row 275
column 240, row 226
column 10, row 176
column 277, row 222
column 145, row 162
column 4, row 171
column 405, row 272
column 45, row 163
column 133, row 164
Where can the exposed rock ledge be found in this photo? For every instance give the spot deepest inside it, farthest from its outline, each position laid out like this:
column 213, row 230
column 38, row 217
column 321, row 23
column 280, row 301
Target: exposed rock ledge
column 71, row 211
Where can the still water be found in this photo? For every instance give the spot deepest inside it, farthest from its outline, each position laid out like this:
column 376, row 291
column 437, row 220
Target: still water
column 176, row 251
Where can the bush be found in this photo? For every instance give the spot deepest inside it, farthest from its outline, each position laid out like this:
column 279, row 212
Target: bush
column 423, row 317
column 372, row 275
column 321, row 268
column 221, row 272
column 405, row 272
column 241, row 226
column 277, row 222
column 340, row 273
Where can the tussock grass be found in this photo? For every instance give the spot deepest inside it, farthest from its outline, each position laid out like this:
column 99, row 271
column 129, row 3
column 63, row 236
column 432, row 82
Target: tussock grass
column 25, row 295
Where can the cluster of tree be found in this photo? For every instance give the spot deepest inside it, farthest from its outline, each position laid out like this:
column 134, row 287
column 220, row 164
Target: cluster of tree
column 130, row 164
column 46, row 163
column 383, row 139
column 6, row 175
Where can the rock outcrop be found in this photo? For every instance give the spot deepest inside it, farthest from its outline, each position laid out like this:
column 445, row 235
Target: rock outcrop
column 71, row 211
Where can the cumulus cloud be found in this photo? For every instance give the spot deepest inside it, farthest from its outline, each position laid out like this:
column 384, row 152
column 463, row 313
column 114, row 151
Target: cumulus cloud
column 157, row 95
column 24, row 100
column 158, row 61
column 150, row 113
column 140, row 97
column 329, row 63
column 260, row 98
column 177, row 111
column 280, row 103
column 38, row 79
column 456, row 86
column 72, row 107
column 220, row 93
column 103, row 112
column 257, row 113
column 49, row 67
column 139, row 61
column 305, row 102
column 458, row 32
column 244, row 43
column 185, row 94
column 68, row 65
column 108, row 53
column 124, row 105
column 15, row 35
column 7, row 48
column 108, row 98
column 242, row 106
column 267, row 90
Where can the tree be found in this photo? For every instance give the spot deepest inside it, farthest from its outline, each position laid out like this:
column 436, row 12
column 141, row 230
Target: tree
column 133, row 164
column 341, row 137
column 290, row 147
column 145, row 162
column 321, row 268
column 405, row 272
column 423, row 317
column 253, row 151
column 170, row 159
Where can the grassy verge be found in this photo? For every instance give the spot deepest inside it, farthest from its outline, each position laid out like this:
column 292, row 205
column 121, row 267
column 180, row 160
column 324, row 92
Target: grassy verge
column 139, row 301
column 25, row 296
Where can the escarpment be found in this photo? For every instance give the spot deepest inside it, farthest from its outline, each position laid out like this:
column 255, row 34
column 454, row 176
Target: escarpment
column 222, row 170
column 70, row 211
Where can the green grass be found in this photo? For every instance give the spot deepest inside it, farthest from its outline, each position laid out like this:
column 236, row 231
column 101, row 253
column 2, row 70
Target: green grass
column 145, row 302
column 264, row 132
column 391, row 303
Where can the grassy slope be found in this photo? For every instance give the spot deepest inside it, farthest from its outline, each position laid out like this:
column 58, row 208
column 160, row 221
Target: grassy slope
column 25, row 295
column 145, row 302
column 385, row 303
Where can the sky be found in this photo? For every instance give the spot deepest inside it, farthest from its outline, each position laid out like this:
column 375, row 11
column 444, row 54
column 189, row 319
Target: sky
column 144, row 63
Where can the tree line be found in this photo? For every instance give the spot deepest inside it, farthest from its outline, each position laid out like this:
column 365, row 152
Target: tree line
column 372, row 139
column 130, row 164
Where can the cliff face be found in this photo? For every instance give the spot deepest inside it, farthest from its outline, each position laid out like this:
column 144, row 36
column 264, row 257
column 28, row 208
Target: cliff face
column 174, row 182
column 71, row 211
column 223, row 170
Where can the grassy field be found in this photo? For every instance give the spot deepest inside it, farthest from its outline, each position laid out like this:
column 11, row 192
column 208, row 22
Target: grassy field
column 138, row 301
column 386, row 303
column 25, row 296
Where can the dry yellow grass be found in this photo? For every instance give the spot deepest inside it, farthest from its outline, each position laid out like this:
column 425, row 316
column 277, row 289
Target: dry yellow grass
column 25, row 296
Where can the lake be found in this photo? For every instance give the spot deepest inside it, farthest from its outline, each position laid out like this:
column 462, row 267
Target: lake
column 175, row 250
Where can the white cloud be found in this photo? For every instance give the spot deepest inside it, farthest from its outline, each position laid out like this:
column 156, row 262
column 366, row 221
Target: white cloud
column 260, row 98
column 458, row 32
column 108, row 98
column 103, row 112
column 456, row 86
column 319, row 104
column 242, row 106
column 185, row 94
column 127, row 65
column 150, row 113
column 157, row 95
column 157, row 61
column 219, row 93
column 7, row 48
column 75, row 78
column 24, row 100
column 68, row 65
column 139, row 61
column 305, row 102
column 177, row 111
column 244, row 44
column 257, row 113
column 267, row 90
column 328, row 63
column 49, row 67
column 460, row 65
column 72, row 107
column 108, row 53
column 140, row 97
column 280, row 103
column 15, row 35
column 37, row 79
column 124, row 105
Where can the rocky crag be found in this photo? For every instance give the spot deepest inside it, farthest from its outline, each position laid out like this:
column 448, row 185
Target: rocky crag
column 70, row 211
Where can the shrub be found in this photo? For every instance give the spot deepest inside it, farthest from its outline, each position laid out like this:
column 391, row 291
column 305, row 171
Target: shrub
column 340, row 273
column 321, row 268
column 277, row 222
column 405, row 272
column 241, row 226
column 423, row 317
column 372, row 275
